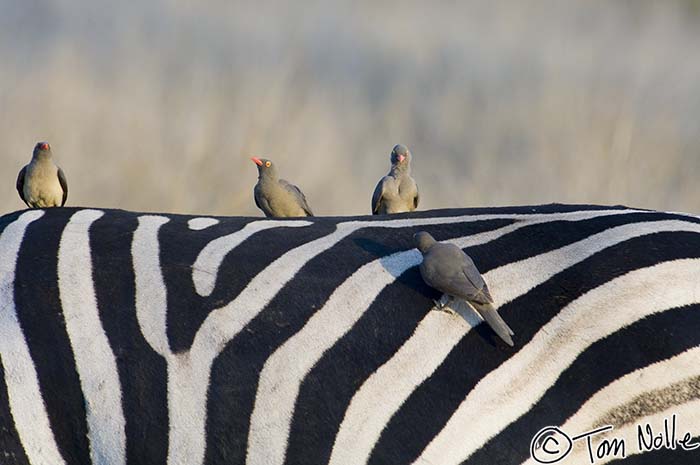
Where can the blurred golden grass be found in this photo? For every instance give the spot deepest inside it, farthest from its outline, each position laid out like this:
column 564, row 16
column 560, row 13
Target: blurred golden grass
column 158, row 107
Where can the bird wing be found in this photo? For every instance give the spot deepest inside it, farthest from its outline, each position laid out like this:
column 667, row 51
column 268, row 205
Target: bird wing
column 377, row 196
column 481, row 291
column 416, row 198
column 261, row 201
column 20, row 184
column 256, row 196
column 455, row 273
column 301, row 198
column 487, row 293
column 483, row 295
column 460, row 286
column 64, row 185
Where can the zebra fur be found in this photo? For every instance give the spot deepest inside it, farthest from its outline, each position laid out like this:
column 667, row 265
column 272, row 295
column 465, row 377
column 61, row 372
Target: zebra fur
column 130, row 338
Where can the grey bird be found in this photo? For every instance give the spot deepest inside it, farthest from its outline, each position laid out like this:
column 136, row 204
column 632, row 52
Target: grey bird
column 276, row 197
column 42, row 184
column 396, row 192
column 448, row 269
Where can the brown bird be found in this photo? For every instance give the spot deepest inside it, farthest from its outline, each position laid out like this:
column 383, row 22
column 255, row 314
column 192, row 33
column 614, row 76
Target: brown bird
column 42, row 184
column 396, row 192
column 276, row 197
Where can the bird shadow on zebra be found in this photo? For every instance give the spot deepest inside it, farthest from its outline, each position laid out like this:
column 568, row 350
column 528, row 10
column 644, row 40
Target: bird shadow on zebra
column 393, row 257
column 379, row 249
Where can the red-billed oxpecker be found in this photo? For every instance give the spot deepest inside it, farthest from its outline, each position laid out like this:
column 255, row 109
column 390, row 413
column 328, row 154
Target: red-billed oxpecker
column 396, row 192
column 42, row 184
column 276, row 197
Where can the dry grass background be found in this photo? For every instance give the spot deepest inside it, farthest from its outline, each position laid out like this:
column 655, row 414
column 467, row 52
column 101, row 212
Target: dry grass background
column 157, row 105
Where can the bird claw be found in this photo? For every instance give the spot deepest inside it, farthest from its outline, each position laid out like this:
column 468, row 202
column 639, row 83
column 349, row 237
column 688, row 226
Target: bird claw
column 443, row 302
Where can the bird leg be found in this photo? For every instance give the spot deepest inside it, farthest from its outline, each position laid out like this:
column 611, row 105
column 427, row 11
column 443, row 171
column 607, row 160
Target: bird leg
column 443, row 302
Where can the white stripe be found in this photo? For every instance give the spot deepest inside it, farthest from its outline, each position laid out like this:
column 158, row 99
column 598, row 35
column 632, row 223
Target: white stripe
column 206, row 267
column 288, row 366
column 26, row 404
column 151, row 294
column 189, row 372
column 509, row 391
column 198, row 224
column 624, row 390
column 515, row 279
column 95, row 361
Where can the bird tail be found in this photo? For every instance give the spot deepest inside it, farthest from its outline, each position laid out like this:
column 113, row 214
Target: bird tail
column 491, row 316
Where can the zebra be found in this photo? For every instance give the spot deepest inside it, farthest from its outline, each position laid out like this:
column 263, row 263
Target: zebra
column 141, row 338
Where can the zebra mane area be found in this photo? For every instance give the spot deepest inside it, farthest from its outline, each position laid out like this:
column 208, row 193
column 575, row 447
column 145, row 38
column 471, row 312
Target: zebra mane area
column 148, row 338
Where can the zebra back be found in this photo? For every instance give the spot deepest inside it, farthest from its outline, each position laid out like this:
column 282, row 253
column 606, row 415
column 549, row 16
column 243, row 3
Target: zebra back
column 132, row 338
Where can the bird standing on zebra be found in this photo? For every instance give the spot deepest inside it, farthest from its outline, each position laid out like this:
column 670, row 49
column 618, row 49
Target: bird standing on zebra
column 396, row 192
column 448, row 269
column 276, row 197
column 42, row 184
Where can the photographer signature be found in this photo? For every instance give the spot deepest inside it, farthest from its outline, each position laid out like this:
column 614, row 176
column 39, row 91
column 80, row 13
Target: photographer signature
column 551, row 444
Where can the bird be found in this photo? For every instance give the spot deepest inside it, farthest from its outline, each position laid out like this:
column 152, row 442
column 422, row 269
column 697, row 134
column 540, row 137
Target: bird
column 42, row 184
column 448, row 269
column 276, row 197
column 396, row 192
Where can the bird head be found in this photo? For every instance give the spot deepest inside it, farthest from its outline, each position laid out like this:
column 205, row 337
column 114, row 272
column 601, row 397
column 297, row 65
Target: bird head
column 400, row 156
column 42, row 148
column 265, row 166
column 423, row 241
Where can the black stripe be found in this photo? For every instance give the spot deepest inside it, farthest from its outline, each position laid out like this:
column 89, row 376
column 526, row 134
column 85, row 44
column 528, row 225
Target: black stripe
column 426, row 411
column 11, row 449
column 179, row 248
column 10, row 218
column 539, row 238
column 665, row 335
column 39, row 313
column 327, row 390
column 142, row 372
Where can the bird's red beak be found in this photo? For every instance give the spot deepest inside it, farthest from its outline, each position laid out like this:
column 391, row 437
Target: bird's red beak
column 44, row 146
column 257, row 161
column 401, row 158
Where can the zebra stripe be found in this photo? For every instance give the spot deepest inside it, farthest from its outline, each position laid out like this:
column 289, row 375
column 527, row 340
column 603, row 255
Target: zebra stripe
column 198, row 224
column 328, row 351
column 206, row 267
column 26, row 403
column 95, row 361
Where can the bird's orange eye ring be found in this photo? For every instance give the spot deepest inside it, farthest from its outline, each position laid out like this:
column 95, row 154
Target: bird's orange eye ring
column 267, row 164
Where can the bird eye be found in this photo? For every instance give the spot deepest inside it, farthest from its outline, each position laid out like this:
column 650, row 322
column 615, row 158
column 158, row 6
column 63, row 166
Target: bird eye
column 267, row 164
